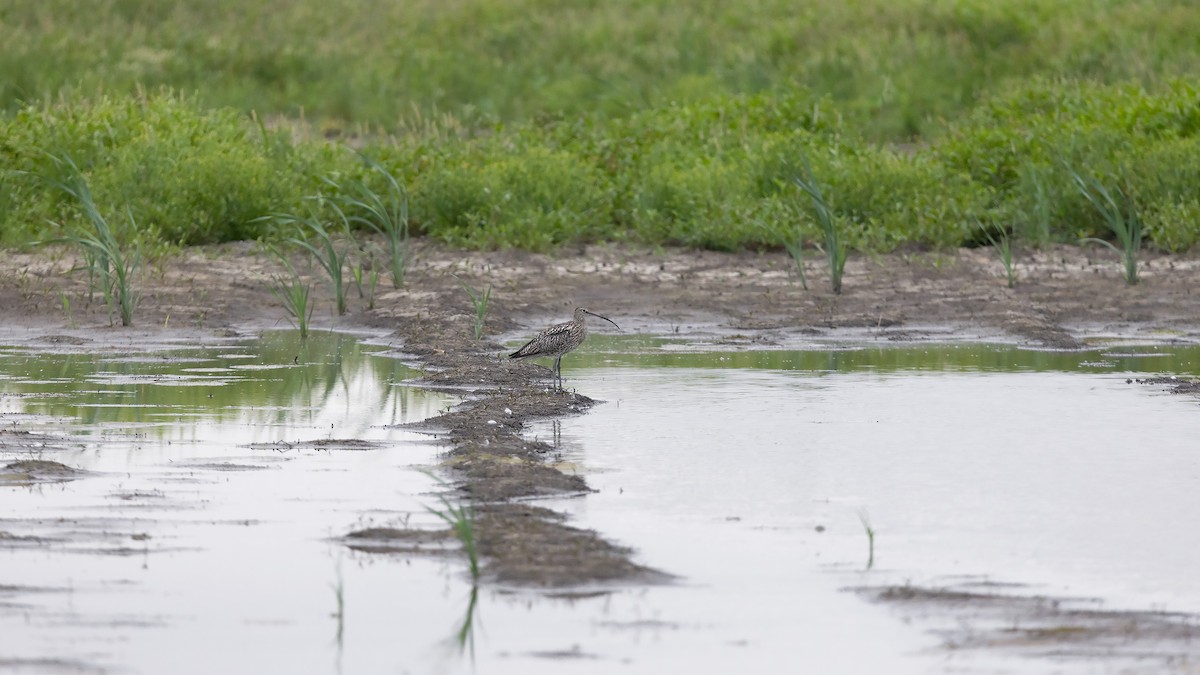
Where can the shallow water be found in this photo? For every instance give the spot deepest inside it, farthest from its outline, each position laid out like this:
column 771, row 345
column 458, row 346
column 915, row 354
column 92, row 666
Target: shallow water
column 202, row 540
column 977, row 467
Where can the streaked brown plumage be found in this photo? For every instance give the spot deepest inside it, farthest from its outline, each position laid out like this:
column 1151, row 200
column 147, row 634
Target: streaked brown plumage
column 559, row 339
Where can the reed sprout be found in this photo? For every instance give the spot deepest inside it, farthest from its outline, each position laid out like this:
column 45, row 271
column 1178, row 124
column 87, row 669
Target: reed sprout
column 1002, row 244
column 866, row 523
column 294, row 294
column 795, row 249
column 326, row 250
column 1120, row 215
column 479, row 299
column 835, row 247
column 461, row 519
column 110, row 264
column 386, row 213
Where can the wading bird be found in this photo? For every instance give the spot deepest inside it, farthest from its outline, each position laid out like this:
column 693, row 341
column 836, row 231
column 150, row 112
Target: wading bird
column 559, row 339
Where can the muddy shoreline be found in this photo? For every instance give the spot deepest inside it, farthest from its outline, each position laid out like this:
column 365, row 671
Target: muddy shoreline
column 1065, row 298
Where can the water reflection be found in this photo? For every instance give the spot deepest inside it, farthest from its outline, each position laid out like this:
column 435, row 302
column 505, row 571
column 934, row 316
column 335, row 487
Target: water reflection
column 464, row 637
column 276, row 382
column 608, row 350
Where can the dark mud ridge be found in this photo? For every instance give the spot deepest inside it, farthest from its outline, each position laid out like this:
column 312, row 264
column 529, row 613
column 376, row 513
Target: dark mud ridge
column 1075, row 629
column 498, row 472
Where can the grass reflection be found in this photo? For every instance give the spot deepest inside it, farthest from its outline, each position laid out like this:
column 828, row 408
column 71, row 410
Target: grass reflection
column 273, row 380
column 617, row 351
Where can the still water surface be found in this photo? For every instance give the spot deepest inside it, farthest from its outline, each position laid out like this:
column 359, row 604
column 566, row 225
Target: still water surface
column 202, row 540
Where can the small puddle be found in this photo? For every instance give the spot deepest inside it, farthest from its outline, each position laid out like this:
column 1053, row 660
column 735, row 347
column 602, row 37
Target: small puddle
column 197, row 529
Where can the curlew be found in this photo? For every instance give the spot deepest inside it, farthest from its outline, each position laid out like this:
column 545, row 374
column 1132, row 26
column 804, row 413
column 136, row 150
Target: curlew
column 559, row 339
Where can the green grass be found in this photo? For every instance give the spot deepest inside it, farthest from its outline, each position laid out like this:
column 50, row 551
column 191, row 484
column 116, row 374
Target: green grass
column 385, row 212
column 899, row 67
column 330, row 249
column 293, row 293
column 1001, row 241
column 870, row 531
column 461, row 519
column 479, row 301
column 795, row 249
column 835, row 247
column 564, row 124
column 111, row 264
column 1120, row 215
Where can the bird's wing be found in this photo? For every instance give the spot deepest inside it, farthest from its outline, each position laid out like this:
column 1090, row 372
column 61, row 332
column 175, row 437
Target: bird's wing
column 534, row 346
column 556, row 329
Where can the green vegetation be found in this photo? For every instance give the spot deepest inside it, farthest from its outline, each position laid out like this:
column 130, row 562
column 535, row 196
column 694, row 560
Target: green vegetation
column 517, row 123
column 866, row 523
column 1001, row 241
column 331, row 249
column 479, row 300
column 111, row 263
column 294, row 294
column 1120, row 216
column 461, row 520
column 385, row 213
column 835, row 250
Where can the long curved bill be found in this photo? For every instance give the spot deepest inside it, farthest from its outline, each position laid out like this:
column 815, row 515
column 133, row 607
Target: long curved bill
column 603, row 317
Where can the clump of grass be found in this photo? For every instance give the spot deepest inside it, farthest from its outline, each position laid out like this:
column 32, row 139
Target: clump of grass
column 835, row 247
column 366, row 279
column 866, row 523
column 385, row 213
column 1001, row 241
column 104, row 255
column 326, row 251
column 461, row 520
column 1121, row 217
column 294, row 294
column 479, row 299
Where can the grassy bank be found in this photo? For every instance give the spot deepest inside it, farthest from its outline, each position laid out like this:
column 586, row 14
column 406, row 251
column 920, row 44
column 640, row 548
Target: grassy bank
column 535, row 124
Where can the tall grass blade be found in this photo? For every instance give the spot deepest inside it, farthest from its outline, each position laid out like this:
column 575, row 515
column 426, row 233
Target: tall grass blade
column 795, row 249
column 385, row 213
column 1121, row 217
column 480, row 299
column 866, row 523
column 294, row 294
column 835, row 248
column 103, row 253
column 461, row 520
column 1001, row 242
column 325, row 250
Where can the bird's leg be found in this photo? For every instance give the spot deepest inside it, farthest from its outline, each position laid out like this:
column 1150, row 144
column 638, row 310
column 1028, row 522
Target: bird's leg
column 558, row 371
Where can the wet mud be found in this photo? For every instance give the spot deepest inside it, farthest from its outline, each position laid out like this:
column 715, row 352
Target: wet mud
column 28, row 472
column 1047, row 627
column 497, row 470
